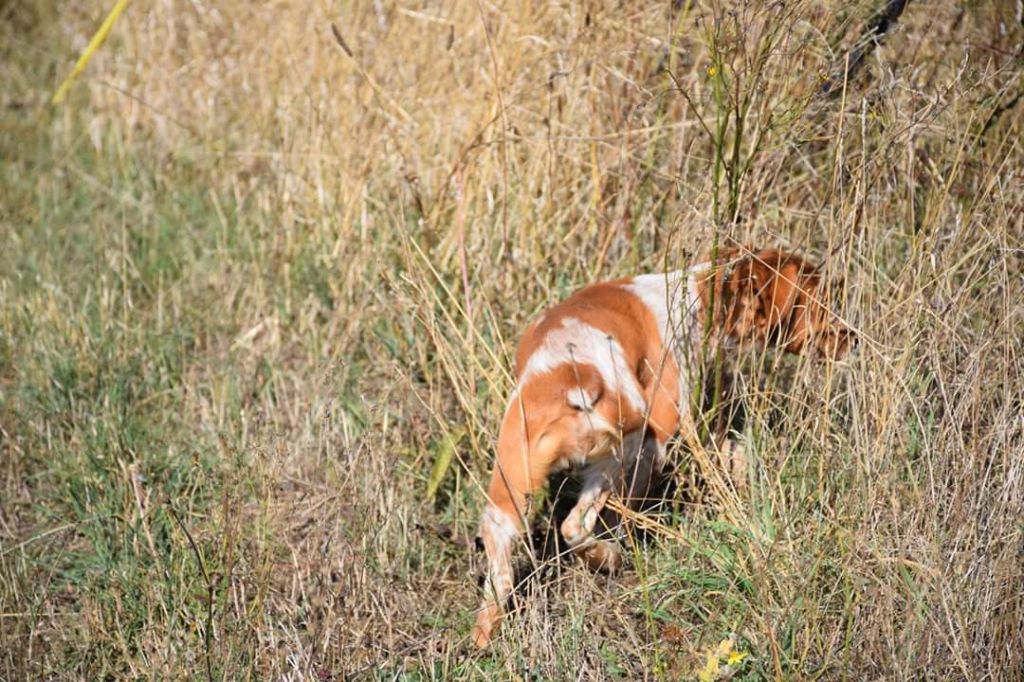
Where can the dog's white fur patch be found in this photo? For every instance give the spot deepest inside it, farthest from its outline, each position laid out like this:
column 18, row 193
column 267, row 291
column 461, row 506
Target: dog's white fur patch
column 661, row 294
column 673, row 299
column 503, row 529
column 582, row 399
column 579, row 342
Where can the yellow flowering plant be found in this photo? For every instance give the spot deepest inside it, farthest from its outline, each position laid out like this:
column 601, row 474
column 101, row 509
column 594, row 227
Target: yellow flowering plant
column 721, row 662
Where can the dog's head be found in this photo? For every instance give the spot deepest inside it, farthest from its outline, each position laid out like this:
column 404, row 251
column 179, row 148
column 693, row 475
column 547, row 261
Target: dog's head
column 770, row 298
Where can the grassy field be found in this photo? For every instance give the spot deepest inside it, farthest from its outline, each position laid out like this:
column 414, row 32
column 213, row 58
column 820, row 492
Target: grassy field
column 260, row 279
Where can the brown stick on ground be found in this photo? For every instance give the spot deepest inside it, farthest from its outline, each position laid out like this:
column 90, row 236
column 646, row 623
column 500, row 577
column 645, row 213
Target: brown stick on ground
column 872, row 37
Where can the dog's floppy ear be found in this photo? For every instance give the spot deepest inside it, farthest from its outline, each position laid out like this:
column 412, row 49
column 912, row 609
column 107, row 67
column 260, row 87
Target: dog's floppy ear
column 747, row 287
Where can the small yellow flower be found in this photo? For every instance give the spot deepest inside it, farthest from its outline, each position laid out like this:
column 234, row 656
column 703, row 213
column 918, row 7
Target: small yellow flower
column 712, row 71
column 735, row 657
column 724, row 653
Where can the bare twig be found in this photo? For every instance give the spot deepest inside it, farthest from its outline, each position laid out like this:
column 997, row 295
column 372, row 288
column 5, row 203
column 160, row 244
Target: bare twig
column 209, row 591
column 872, row 37
column 998, row 112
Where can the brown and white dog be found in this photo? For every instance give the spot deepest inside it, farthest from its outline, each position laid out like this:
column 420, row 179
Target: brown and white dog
column 611, row 366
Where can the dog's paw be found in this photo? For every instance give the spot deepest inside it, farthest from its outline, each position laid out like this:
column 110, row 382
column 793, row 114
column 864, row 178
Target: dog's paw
column 573, row 529
column 602, row 556
column 487, row 620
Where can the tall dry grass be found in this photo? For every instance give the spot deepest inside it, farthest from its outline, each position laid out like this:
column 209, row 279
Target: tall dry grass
column 261, row 280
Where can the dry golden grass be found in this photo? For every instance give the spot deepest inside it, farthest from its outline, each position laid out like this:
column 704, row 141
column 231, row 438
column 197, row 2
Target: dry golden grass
column 259, row 277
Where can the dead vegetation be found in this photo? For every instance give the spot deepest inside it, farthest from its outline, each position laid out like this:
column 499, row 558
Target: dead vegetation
column 263, row 270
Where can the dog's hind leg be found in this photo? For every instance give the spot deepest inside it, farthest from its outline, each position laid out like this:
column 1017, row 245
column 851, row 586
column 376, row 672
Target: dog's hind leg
column 517, row 474
column 578, row 527
column 613, row 474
